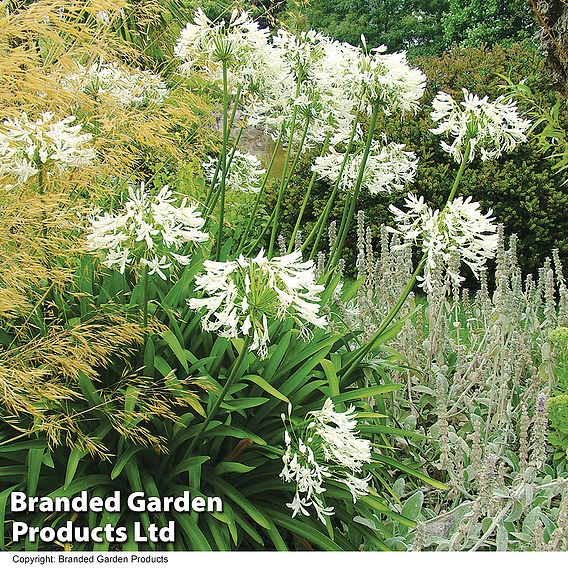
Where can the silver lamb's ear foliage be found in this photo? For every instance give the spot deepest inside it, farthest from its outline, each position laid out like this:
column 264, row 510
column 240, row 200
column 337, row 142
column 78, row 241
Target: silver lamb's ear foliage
column 242, row 296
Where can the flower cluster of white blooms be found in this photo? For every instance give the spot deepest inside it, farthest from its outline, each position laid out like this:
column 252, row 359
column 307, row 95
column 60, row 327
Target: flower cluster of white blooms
column 461, row 230
column 306, row 75
column 241, row 296
column 27, row 145
column 386, row 79
column 126, row 87
column 389, row 167
column 150, row 230
column 244, row 174
column 328, row 449
column 239, row 44
column 491, row 128
column 313, row 84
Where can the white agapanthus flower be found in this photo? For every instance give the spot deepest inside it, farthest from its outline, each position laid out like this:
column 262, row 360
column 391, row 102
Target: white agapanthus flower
column 238, row 43
column 126, row 87
column 244, row 175
column 312, row 85
column 386, row 79
column 328, row 449
column 241, row 296
column 461, row 231
column 490, row 128
column 46, row 143
column 150, row 231
column 389, row 167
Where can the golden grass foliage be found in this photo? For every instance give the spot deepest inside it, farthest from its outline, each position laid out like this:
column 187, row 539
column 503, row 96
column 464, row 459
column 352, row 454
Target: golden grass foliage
column 43, row 358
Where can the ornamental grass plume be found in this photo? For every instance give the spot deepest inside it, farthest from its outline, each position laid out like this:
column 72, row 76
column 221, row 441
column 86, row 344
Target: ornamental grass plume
column 241, row 297
column 388, row 169
column 460, row 230
column 490, row 128
column 328, row 449
column 151, row 231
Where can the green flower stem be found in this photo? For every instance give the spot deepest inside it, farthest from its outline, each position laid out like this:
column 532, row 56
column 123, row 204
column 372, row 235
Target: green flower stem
column 386, row 322
column 262, row 232
column 402, row 299
column 307, row 197
column 145, row 295
column 232, row 375
column 282, row 189
column 260, row 192
column 349, row 210
column 459, row 175
column 224, row 163
column 319, row 228
column 216, row 195
column 219, row 162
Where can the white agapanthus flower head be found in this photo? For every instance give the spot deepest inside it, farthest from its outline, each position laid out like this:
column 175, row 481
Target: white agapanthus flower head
column 244, row 175
column 150, row 231
column 387, row 80
column 459, row 231
column 126, row 87
column 242, row 296
column 388, row 169
column 47, row 143
column 238, row 43
column 311, row 85
column 490, row 128
column 327, row 449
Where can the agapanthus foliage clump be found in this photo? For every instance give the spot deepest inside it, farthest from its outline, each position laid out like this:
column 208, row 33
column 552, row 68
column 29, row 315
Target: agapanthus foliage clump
column 244, row 173
column 327, row 450
column 241, row 297
column 151, row 230
column 490, row 128
column 460, row 231
column 126, row 87
column 28, row 146
column 388, row 169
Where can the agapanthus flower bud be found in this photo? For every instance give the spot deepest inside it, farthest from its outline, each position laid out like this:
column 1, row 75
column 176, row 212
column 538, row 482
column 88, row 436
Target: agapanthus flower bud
column 241, row 296
column 490, row 128
column 46, row 143
column 461, row 230
column 327, row 449
column 389, row 167
column 244, row 175
column 150, row 230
